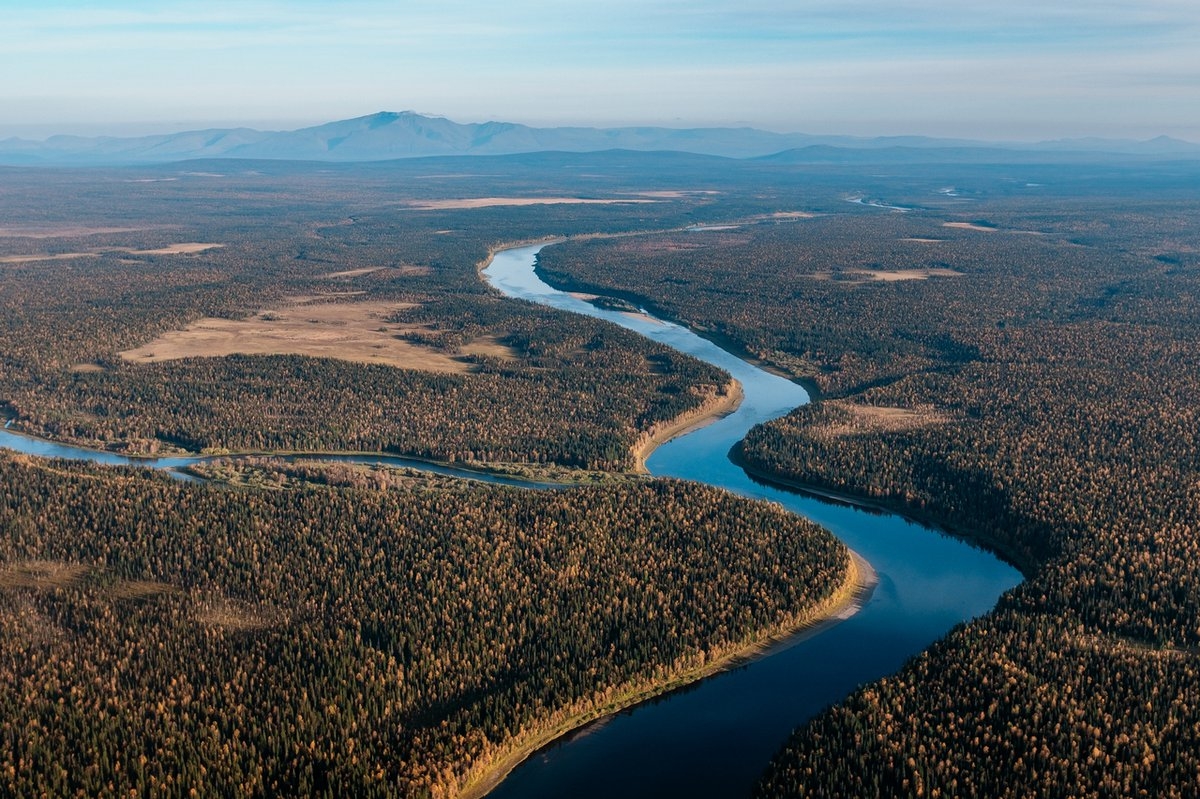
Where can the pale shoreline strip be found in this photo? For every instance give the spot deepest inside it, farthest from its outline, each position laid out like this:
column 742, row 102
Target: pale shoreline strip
column 713, row 408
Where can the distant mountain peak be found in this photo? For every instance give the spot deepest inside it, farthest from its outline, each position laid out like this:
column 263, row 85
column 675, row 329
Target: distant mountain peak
column 406, row 134
column 385, row 118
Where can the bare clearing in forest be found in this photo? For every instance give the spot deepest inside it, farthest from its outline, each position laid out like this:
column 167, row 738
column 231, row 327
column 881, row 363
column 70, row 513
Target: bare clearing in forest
column 490, row 202
column 349, row 331
column 49, row 575
column 37, row 232
column 140, row 589
column 879, row 419
column 893, row 275
column 63, row 256
column 186, row 248
column 41, row 574
column 675, row 194
column 989, row 228
column 405, row 269
column 239, row 617
column 859, row 276
column 969, row 226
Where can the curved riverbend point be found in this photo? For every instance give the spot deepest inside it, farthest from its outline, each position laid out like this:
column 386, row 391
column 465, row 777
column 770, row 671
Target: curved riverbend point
column 715, row 407
column 714, row 738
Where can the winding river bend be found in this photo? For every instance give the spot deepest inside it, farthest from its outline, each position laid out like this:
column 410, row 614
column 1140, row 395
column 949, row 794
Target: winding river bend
column 714, row 738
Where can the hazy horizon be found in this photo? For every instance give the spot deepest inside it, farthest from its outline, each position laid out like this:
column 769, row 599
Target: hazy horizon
column 1023, row 71
column 135, row 129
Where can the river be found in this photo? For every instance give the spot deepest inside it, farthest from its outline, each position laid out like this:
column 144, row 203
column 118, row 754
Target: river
column 173, row 465
column 714, row 738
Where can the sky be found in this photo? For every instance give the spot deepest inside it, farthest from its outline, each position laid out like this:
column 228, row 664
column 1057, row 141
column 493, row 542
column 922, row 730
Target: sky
column 1012, row 70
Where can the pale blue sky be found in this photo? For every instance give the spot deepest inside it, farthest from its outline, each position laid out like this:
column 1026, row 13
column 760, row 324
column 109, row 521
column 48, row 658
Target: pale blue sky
column 1012, row 70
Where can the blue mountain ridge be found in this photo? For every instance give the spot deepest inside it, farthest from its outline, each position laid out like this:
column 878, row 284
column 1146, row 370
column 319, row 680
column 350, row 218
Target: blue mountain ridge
column 392, row 135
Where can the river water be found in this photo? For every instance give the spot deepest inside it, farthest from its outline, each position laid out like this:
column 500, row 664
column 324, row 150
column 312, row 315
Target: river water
column 714, row 738
column 31, row 445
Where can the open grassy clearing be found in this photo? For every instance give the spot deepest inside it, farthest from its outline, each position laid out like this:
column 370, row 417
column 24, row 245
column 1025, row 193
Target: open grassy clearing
column 858, row 276
column 185, row 248
column 492, row 202
column 52, row 575
column 62, row 256
column 970, row 226
column 404, row 269
column 140, row 589
column 239, row 616
column 894, row 275
column 990, row 228
column 352, row 331
column 675, row 194
column 45, row 575
column 43, row 232
column 879, row 419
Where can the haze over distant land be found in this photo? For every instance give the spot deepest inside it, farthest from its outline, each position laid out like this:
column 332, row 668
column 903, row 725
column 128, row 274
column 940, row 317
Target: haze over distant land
column 1019, row 70
column 390, row 135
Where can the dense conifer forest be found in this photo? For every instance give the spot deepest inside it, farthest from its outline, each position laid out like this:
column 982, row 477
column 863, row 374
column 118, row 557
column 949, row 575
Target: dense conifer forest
column 161, row 637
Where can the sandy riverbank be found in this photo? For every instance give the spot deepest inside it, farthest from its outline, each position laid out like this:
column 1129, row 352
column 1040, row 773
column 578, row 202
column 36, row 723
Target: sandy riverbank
column 715, row 407
column 859, row 581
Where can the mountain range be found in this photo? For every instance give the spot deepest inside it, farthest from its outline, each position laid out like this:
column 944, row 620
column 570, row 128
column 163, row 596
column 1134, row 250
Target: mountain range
column 392, row 135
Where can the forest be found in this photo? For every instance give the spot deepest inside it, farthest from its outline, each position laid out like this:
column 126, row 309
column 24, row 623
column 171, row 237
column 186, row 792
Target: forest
column 371, row 641
column 1013, row 358
column 1020, row 373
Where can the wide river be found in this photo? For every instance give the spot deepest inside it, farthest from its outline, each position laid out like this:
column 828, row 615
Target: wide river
column 713, row 739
